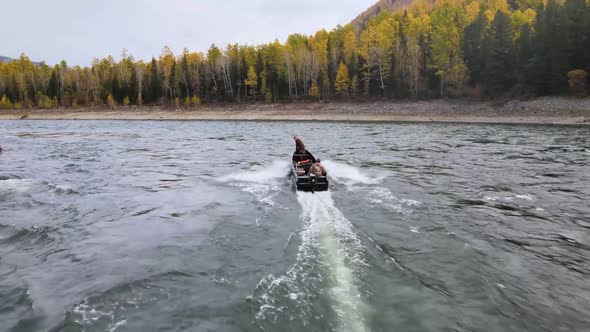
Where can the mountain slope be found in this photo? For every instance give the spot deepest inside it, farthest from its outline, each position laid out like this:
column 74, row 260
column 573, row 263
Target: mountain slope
column 374, row 10
column 6, row 59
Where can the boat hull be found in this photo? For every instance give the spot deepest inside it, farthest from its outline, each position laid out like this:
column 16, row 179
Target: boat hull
column 310, row 183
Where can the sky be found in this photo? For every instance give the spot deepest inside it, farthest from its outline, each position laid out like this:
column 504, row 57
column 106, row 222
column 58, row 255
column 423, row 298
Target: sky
column 79, row 30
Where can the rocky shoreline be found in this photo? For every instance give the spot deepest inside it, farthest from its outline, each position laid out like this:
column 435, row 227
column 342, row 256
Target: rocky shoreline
column 549, row 110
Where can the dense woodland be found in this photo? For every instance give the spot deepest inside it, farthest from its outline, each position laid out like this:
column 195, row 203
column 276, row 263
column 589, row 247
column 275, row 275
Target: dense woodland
column 449, row 48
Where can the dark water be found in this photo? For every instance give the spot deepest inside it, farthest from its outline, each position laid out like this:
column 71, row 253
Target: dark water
column 194, row 226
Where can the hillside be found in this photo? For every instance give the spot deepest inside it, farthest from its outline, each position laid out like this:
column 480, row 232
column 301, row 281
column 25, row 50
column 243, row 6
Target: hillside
column 6, row 59
column 374, row 10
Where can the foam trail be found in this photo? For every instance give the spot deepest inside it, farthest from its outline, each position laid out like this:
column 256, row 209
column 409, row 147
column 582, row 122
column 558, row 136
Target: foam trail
column 347, row 174
column 341, row 249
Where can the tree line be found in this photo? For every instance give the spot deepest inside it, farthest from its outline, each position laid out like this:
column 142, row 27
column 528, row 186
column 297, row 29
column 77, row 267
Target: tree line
column 448, row 48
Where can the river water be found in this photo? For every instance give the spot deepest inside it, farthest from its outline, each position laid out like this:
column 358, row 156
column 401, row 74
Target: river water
column 195, row 226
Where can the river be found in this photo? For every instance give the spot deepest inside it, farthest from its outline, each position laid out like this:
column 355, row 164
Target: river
column 196, row 226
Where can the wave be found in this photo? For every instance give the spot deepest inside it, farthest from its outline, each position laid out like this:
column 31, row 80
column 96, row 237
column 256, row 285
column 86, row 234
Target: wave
column 9, row 177
column 262, row 182
column 384, row 197
column 86, row 315
column 114, row 308
column 261, row 174
column 356, row 180
column 522, row 203
column 108, row 311
column 328, row 268
column 522, row 197
column 349, row 175
column 37, row 235
column 60, row 189
column 15, row 185
column 18, row 185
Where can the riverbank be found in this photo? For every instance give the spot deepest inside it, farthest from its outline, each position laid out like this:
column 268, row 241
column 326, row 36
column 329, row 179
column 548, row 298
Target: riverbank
column 551, row 110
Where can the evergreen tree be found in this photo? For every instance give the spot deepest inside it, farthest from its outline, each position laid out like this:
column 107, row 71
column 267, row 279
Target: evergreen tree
column 576, row 12
column 53, row 88
column 117, row 91
column 185, row 84
column 524, row 50
column 473, row 48
column 134, row 92
column 499, row 65
column 155, row 84
column 550, row 62
column 172, row 81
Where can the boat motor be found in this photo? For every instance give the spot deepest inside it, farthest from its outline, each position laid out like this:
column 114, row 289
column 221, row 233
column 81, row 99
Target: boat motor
column 313, row 180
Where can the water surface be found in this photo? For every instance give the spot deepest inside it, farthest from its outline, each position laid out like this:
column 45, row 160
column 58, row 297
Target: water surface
column 195, row 226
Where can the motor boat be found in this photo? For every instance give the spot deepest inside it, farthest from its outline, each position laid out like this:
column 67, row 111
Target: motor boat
column 303, row 180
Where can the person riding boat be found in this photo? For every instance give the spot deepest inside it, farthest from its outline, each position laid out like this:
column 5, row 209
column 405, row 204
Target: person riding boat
column 317, row 169
column 299, row 146
column 301, row 155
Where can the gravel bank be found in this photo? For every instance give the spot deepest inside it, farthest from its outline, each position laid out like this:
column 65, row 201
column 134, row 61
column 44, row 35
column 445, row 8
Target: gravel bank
column 550, row 110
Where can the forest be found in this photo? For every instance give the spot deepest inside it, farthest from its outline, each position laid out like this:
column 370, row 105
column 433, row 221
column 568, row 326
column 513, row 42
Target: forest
column 446, row 48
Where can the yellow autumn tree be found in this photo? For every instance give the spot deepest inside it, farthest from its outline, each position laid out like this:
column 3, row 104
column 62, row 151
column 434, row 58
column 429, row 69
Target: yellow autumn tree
column 342, row 83
column 495, row 6
column 252, row 82
column 376, row 48
column 5, row 103
column 577, row 81
column 446, row 45
column 471, row 12
column 314, row 91
column 195, row 101
column 349, row 44
column 531, row 15
column 111, row 102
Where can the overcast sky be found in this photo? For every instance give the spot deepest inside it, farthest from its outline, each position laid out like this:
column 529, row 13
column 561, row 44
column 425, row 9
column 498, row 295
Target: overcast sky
column 78, row 30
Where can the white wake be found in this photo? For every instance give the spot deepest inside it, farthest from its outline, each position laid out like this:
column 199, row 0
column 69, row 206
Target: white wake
column 330, row 261
column 342, row 251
